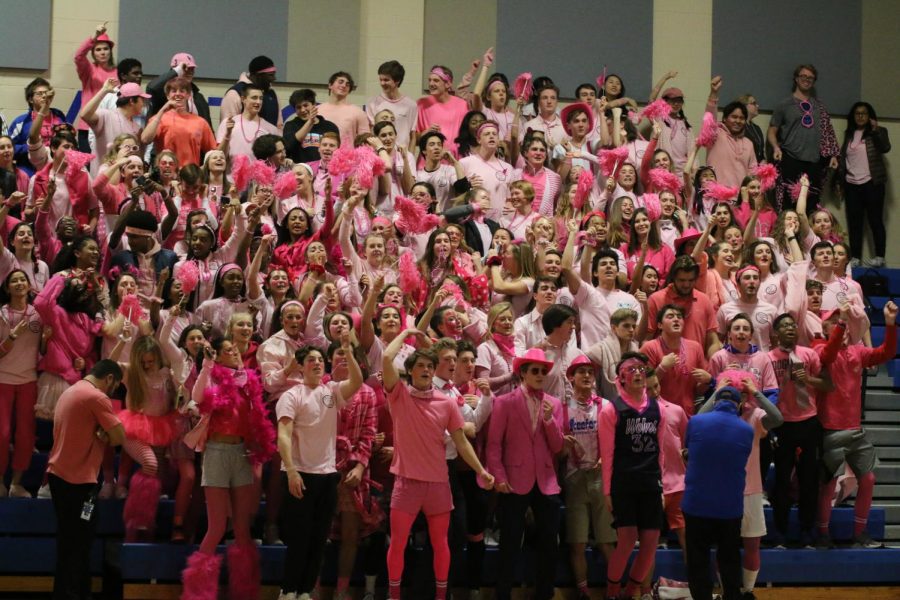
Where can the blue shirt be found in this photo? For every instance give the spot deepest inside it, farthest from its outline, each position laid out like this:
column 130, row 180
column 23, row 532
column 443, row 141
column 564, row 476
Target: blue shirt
column 719, row 443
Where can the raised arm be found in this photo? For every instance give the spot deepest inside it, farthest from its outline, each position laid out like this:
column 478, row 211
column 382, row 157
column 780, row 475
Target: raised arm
column 654, row 93
column 254, row 290
column 354, row 379
column 389, row 375
column 89, row 111
column 366, row 328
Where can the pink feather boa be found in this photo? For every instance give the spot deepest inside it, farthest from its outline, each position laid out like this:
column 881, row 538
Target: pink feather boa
column 767, row 174
column 225, row 396
column 456, row 293
column 188, row 274
column 721, row 193
column 658, row 109
column 412, row 216
column 583, row 188
column 241, row 171
column 708, row 132
column 611, row 159
column 285, row 185
column 342, row 162
column 523, row 86
column 652, row 205
column 663, row 180
column 263, row 173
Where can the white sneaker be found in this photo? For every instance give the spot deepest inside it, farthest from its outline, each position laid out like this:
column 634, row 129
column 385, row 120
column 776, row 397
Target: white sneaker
column 18, row 491
column 876, row 262
column 290, row 596
column 44, row 492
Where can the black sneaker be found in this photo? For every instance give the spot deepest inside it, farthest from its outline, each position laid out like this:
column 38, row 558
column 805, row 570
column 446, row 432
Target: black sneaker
column 748, row 596
column 806, row 540
column 824, row 542
column 864, row 540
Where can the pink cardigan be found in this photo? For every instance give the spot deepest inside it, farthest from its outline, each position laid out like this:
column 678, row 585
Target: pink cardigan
column 92, row 76
column 516, row 453
column 73, row 334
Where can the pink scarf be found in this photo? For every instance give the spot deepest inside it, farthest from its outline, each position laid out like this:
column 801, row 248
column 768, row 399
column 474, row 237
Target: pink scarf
column 506, row 343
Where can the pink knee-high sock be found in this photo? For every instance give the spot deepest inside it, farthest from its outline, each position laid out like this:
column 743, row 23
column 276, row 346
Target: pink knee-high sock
column 826, row 495
column 644, row 560
column 627, row 536
column 863, row 502
column 751, row 554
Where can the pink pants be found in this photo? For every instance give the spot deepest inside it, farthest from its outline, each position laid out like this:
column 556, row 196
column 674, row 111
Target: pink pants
column 17, row 401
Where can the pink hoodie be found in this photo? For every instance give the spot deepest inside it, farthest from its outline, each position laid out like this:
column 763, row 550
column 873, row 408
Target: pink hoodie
column 73, row 334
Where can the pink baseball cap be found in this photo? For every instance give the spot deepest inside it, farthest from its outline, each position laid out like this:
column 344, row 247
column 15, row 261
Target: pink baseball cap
column 132, row 90
column 185, row 58
column 672, row 92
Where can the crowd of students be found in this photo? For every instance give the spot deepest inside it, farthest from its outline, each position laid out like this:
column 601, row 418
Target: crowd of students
column 467, row 306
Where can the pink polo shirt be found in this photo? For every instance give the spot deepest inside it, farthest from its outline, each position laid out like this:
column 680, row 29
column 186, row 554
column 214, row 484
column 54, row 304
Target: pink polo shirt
column 446, row 115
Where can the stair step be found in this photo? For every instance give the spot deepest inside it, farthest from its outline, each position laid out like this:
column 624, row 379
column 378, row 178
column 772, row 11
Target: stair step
column 887, row 473
column 891, row 417
column 891, row 511
column 880, row 400
column 882, row 380
column 886, row 492
column 888, row 453
column 892, row 532
column 883, row 435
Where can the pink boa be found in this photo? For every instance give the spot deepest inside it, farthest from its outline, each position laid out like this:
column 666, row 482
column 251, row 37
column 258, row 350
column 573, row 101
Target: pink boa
column 663, row 180
column 75, row 162
column 263, row 173
column 224, row 395
column 708, row 132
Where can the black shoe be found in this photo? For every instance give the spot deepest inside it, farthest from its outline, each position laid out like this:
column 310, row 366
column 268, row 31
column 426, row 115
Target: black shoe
column 748, row 596
column 806, row 540
column 824, row 542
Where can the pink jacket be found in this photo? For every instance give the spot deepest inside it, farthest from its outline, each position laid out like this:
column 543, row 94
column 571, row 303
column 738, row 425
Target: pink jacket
column 516, row 453
column 92, row 76
column 73, row 334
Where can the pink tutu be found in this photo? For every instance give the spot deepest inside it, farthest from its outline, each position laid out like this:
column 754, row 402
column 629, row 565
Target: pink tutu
column 153, row 431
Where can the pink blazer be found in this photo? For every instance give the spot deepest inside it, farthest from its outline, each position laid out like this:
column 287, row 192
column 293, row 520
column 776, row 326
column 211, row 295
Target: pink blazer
column 519, row 456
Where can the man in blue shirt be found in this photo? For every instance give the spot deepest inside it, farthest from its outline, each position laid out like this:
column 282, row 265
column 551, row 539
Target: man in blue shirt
column 718, row 445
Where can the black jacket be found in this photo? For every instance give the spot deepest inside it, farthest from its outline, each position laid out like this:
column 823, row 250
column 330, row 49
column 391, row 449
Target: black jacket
column 157, row 89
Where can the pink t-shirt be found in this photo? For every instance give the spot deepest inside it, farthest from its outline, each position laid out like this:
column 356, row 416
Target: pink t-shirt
column 243, row 135
column 110, row 125
column 496, row 175
column 765, row 221
column 349, row 118
column 448, row 116
column 673, row 433
column 797, row 402
column 77, row 453
column 314, row 412
column 19, row 365
column 419, row 427
column 858, row 171
column 761, row 313
column 405, row 113
column 758, row 364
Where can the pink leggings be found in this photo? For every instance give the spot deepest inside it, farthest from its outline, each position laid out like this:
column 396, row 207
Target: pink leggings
column 238, row 503
column 626, row 537
column 401, row 524
column 17, row 401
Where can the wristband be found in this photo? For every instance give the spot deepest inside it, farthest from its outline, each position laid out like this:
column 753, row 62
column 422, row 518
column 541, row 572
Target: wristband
column 793, row 238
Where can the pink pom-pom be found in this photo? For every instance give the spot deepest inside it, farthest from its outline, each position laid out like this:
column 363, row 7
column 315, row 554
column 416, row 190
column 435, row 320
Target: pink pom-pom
column 583, row 188
column 409, row 279
column 601, row 82
column 523, row 86
column 663, row 180
column 794, row 189
column 241, row 172
column 342, row 162
column 652, row 205
column 188, row 274
column 285, row 185
column 266, row 229
column 456, row 293
column 412, row 216
column 611, row 159
column 767, row 174
column 658, row 109
column 721, row 193
column 368, row 167
column 130, row 308
column 75, row 162
column 263, row 173
column 708, row 132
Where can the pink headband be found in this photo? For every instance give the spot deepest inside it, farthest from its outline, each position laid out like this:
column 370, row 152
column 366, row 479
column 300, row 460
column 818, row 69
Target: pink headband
column 495, row 83
column 291, row 303
column 444, row 75
column 138, row 231
column 267, row 70
column 486, row 125
column 740, row 272
column 381, row 221
column 229, row 267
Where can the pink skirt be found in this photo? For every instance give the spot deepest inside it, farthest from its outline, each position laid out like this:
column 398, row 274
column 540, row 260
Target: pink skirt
column 153, row 431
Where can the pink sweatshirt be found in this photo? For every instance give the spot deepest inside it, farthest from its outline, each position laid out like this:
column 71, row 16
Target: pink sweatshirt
column 73, row 334
column 673, row 442
column 92, row 76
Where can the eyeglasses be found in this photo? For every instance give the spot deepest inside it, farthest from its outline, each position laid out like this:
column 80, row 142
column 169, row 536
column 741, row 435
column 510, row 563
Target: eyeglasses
column 538, row 370
column 806, row 119
column 636, row 370
column 806, row 77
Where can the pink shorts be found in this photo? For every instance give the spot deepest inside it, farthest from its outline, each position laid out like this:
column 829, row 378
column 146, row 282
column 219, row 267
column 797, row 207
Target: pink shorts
column 431, row 497
column 672, row 507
